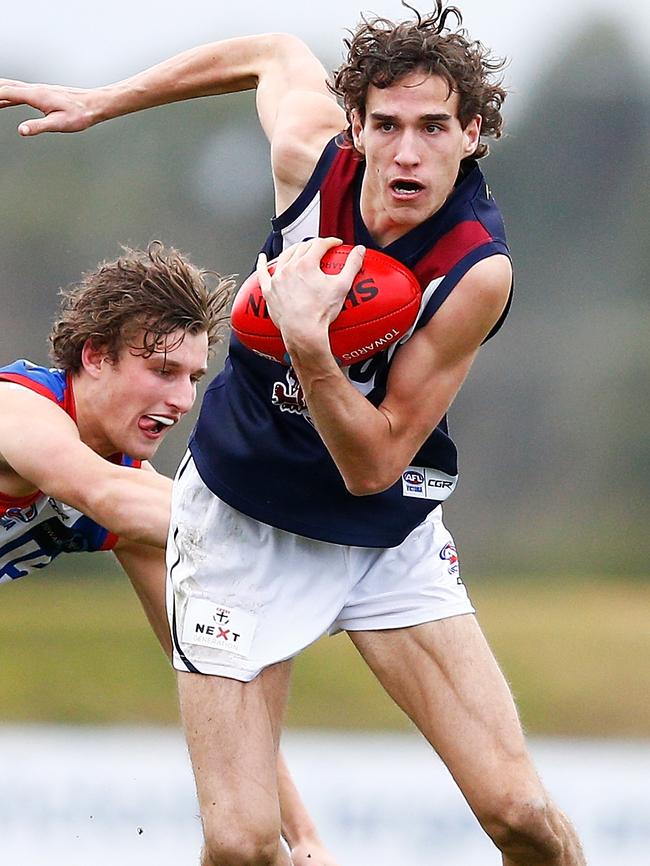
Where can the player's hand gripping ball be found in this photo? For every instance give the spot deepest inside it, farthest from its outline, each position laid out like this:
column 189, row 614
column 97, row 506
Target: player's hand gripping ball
column 379, row 309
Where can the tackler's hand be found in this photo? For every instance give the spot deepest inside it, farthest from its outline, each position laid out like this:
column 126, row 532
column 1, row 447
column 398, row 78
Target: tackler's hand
column 314, row 854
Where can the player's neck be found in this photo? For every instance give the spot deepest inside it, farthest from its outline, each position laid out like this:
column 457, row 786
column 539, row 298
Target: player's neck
column 384, row 230
column 89, row 415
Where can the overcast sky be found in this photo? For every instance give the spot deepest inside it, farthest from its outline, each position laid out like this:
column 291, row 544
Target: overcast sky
column 82, row 42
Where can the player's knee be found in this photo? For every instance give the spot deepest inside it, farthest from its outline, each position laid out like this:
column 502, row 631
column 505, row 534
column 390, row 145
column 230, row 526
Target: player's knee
column 525, row 829
column 240, row 847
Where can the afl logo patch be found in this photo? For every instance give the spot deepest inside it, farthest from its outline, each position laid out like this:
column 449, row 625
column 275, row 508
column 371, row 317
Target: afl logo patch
column 413, row 481
column 421, row 482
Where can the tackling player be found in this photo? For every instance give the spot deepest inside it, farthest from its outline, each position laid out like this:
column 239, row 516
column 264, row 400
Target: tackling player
column 130, row 345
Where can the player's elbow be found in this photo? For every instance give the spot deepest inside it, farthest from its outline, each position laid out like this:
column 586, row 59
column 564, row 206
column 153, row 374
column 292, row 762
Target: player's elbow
column 287, row 43
column 280, row 50
column 373, row 475
column 368, row 483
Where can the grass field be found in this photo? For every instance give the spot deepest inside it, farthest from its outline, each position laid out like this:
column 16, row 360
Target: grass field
column 576, row 652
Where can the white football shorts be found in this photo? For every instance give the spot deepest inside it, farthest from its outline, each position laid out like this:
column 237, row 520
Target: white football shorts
column 242, row 595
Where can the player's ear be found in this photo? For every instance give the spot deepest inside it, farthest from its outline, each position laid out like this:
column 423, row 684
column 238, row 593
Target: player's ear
column 357, row 131
column 93, row 358
column 472, row 135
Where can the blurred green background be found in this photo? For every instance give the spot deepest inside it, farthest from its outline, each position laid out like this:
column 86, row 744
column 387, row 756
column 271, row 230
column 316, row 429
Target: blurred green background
column 552, row 513
column 575, row 650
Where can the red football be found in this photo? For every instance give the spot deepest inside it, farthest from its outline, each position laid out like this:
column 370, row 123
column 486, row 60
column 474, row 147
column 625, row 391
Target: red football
column 379, row 309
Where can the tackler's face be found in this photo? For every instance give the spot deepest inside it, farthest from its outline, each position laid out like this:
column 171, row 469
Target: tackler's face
column 413, row 144
column 143, row 398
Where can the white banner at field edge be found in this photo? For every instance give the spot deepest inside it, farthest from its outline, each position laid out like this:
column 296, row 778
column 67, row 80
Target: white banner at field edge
column 126, row 795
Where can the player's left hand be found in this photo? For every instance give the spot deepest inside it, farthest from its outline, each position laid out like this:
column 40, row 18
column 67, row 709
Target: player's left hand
column 302, row 300
column 314, row 854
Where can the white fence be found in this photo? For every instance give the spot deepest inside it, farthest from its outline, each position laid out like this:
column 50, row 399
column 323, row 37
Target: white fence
column 74, row 796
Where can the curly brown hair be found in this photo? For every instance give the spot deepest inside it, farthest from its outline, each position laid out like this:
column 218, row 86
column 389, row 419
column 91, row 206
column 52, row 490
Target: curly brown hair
column 381, row 52
column 148, row 294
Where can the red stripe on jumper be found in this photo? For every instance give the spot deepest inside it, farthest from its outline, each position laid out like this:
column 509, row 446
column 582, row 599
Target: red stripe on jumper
column 19, row 379
column 336, row 206
column 450, row 249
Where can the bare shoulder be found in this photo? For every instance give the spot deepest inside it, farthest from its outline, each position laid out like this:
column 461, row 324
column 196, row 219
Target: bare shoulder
column 490, row 279
column 29, row 421
column 293, row 95
column 307, row 117
column 296, row 108
column 473, row 308
column 447, row 345
column 21, row 405
column 308, row 123
column 431, row 367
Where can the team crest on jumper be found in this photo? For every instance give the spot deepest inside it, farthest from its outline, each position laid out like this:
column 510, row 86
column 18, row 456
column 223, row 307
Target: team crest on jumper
column 288, row 396
column 14, row 515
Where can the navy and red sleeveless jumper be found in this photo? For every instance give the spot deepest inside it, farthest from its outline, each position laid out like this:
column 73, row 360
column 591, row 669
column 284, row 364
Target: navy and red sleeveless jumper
column 254, row 444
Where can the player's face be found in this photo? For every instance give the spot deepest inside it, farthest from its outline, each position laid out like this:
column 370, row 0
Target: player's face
column 413, row 144
column 142, row 399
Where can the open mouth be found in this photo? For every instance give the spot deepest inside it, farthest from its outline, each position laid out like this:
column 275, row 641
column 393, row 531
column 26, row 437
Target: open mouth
column 404, row 187
column 155, row 424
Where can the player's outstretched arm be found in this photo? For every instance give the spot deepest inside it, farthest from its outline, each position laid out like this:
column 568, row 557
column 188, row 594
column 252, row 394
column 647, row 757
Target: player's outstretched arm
column 295, row 108
column 40, row 443
column 274, row 63
column 145, row 568
column 64, row 109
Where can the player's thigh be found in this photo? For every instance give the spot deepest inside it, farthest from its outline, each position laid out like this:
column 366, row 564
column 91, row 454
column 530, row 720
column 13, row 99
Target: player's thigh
column 233, row 730
column 444, row 676
column 243, row 595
